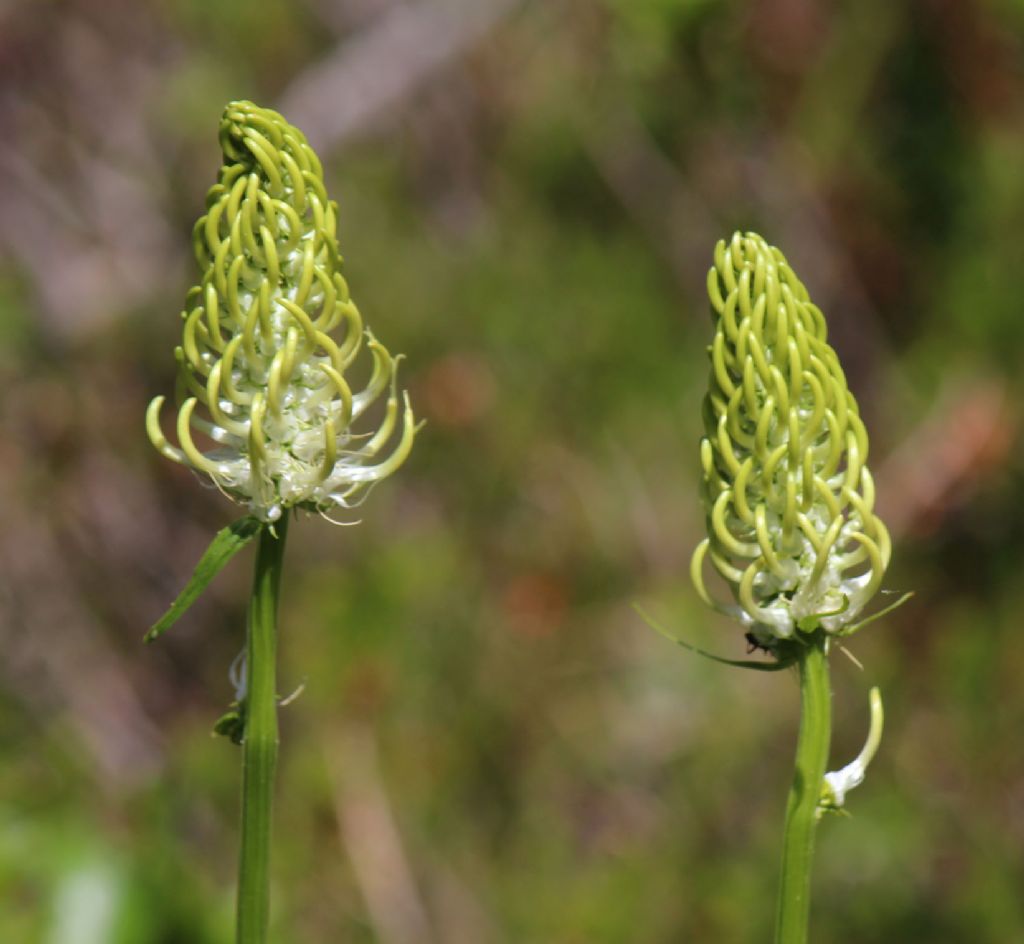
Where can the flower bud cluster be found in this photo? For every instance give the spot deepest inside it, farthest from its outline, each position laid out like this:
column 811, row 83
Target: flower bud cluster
column 788, row 496
column 270, row 334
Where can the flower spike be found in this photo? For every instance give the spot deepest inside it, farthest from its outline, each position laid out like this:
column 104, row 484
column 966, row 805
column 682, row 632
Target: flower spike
column 787, row 494
column 260, row 373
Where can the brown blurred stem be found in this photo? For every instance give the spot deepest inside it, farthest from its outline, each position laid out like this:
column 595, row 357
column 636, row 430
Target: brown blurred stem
column 260, row 742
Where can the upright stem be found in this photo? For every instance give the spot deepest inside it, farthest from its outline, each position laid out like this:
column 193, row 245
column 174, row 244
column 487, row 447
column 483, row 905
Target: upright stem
column 260, row 738
column 804, row 795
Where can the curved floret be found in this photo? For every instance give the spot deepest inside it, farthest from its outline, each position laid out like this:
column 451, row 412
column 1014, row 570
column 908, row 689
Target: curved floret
column 788, row 496
column 270, row 334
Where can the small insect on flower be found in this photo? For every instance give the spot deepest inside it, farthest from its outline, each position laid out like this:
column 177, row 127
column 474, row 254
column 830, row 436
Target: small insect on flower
column 786, row 489
column 755, row 645
column 270, row 333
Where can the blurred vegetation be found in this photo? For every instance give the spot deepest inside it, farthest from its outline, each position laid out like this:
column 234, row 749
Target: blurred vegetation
column 491, row 746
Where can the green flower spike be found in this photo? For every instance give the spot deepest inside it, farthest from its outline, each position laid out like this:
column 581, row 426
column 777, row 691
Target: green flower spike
column 787, row 492
column 259, row 372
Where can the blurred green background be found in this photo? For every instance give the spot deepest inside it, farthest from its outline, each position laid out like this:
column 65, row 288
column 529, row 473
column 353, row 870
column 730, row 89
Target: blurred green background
column 491, row 746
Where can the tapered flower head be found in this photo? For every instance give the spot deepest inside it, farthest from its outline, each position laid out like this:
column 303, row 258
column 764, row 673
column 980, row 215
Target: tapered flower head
column 787, row 492
column 270, row 334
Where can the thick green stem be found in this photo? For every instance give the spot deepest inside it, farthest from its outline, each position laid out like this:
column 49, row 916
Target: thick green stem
column 260, row 741
column 802, row 807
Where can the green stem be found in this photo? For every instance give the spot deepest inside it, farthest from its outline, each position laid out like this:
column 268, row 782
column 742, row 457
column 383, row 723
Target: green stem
column 802, row 806
column 260, row 742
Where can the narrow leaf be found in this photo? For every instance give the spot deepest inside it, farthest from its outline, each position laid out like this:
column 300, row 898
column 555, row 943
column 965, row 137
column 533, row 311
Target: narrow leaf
column 737, row 663
column 850, row 630
column 225, row 545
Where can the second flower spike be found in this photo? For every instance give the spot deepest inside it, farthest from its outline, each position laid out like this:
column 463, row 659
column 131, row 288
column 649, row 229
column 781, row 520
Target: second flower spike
column 786, row 487
column 270, row 334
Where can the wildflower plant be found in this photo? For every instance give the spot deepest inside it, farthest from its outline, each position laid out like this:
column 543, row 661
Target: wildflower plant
column 791, row 522
column 266, row 409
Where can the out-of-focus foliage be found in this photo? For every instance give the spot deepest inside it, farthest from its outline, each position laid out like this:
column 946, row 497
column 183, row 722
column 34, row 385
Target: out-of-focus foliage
column 491, row 746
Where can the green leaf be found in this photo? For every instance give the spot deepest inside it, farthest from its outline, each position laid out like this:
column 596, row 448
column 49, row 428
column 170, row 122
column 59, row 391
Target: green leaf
column 225, row 545
column 853, row 627
column 737, row 663
column 231, row 724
